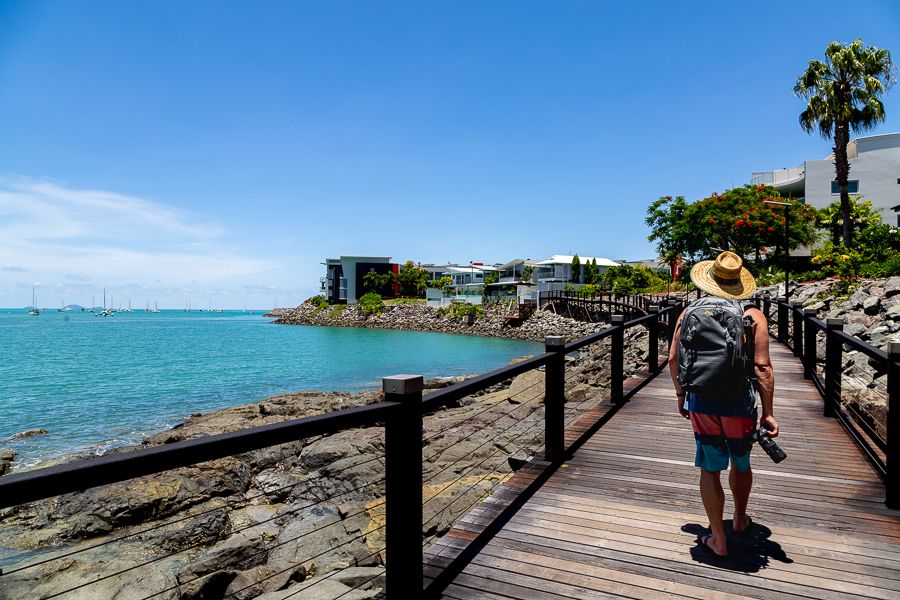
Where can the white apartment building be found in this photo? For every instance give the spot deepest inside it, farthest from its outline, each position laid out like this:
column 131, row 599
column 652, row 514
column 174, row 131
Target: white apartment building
column 874, row 175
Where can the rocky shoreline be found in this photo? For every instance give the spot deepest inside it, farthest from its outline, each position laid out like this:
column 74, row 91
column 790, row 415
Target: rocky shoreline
column 309, row 514
column 418, row 317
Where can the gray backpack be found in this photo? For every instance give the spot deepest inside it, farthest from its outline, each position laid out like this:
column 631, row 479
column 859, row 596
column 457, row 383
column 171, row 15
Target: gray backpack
column 712, row 350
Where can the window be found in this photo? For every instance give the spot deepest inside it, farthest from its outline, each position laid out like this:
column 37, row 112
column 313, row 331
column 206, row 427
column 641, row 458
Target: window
column 852, row 186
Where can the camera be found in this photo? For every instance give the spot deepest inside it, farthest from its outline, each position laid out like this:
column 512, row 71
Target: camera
column 768, row 445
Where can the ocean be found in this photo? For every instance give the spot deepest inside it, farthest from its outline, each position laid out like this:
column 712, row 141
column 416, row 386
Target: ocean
column 95, row 383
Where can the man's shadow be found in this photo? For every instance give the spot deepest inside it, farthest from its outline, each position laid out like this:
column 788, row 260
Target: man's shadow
column 748, row 552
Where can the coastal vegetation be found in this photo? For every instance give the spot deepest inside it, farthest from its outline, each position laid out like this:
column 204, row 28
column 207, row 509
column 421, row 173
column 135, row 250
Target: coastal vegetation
column 843, row 95
column 371, row 303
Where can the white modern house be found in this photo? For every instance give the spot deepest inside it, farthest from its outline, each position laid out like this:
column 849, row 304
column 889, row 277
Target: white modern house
column 555, row 272
column 874, row 175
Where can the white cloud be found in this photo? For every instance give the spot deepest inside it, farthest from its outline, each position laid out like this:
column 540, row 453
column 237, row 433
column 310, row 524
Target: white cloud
column 57, row 232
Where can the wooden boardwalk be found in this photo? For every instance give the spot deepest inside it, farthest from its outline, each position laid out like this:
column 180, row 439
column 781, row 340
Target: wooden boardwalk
column 620, row 519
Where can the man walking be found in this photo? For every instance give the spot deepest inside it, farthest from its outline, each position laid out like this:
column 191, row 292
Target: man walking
column 720, row 404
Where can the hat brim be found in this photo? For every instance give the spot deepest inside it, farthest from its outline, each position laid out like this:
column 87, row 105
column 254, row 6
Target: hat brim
column 743, row 287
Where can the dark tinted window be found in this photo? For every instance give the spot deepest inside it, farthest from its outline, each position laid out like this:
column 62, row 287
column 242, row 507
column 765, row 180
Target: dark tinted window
column 852, row 187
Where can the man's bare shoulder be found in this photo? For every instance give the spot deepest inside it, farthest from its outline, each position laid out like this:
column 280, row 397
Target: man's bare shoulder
column 755, row 314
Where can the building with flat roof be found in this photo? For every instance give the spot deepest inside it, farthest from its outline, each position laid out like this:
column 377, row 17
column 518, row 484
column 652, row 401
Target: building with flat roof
column 343, row 281
column 874, row 175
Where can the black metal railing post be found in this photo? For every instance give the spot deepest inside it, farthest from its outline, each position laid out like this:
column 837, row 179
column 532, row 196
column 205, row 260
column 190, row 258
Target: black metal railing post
column 782, row 320
column 670, row 319
column 403, row 487
column 767, row 306
column 892, row 479
column 555, row 399
column 797, row 314
column 833, row 349
column 653, row 339
column 617, row 360
column 809, row 343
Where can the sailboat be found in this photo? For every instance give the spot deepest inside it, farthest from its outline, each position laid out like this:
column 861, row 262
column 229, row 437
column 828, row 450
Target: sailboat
column 34, row 311
column 106, row 312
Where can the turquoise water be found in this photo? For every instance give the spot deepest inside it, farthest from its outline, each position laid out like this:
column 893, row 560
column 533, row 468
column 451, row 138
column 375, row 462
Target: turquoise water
column 99, row 382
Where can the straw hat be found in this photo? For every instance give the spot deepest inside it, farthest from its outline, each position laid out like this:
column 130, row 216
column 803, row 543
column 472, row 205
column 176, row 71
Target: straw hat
column 725, row 277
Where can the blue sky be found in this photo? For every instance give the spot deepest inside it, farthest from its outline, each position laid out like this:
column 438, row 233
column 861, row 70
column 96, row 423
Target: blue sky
column 220, row 151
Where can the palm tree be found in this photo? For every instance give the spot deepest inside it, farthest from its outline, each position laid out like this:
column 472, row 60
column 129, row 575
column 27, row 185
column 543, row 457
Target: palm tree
column 844, row 94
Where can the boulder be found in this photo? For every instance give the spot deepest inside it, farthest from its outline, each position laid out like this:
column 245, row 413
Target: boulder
column 22, row 435
column 6, row 459
column 872, row 305
column 858, row 330
column 892, row 287
column 893, row 313
column 855, row 301
column 203, row 530
column 148, row 498
column 237, row 553
column 207, row 587
column 263, row 579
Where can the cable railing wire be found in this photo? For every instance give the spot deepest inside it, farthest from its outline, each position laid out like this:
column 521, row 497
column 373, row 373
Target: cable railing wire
column 491, row 440
column 239, row 530
column 472, row 486
column 471, row 468
column 282, row 543
column 458, row 441
column 196, row 515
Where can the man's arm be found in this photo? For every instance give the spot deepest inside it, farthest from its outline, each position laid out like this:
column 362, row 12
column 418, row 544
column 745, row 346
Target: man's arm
column 673, row 368
column 762, row 365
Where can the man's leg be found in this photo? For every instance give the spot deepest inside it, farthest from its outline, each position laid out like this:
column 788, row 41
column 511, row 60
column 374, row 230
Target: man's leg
column 740, row 484
column 714, row 502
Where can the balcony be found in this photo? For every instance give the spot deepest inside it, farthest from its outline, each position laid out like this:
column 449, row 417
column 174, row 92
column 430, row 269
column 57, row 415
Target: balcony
column 789, row 182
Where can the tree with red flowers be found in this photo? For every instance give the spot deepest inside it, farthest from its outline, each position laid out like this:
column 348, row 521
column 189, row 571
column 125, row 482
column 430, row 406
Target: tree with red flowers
column 736, row 220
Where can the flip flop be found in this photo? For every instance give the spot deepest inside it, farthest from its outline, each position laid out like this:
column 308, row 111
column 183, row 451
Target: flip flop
column 746, row 529
column 704, row 542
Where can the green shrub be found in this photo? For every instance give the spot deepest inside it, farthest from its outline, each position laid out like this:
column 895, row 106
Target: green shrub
column 317, row 300
column 371, row 304
column 336, row 311
column 886, row 268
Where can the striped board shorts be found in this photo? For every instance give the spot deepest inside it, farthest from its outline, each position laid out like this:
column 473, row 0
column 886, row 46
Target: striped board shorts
column 723, row 431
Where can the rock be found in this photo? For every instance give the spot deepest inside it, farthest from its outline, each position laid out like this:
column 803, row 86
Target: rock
column 262, row 579
column 892, row 287
column 207, row 587
column 893, row 313
column 148, row 498
column 324, row 452
column 237, row 553
column 27, row 434
column 320, row 589
column 856, row 300
column 518, row 460
column 361, row 577
column 276, row 484
column 872, row 305
column 6, row 459
column 202, row 530
column 856, row 330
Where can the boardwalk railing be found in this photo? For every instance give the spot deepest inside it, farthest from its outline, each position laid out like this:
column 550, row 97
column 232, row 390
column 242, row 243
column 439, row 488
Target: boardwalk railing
column 824, row 347
column 400, row 413
column 600, row 306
